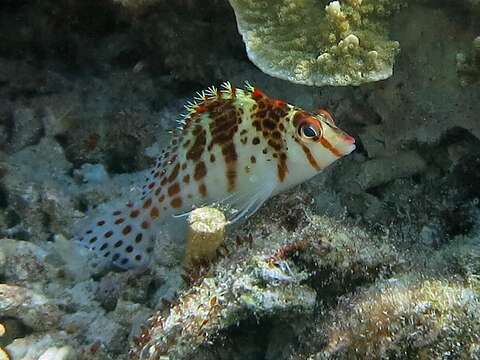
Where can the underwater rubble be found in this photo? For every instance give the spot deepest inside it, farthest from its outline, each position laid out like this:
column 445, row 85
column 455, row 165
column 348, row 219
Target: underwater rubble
column 377, row 257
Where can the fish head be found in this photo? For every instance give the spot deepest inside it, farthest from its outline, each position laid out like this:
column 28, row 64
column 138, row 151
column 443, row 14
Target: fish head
column 321, row 142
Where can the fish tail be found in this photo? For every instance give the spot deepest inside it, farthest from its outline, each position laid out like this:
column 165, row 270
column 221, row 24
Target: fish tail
column 124, row 238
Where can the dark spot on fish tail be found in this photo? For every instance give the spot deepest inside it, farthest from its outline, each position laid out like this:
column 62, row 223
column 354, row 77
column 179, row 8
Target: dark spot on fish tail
column 119, row 221
column 92, row 240
column 138, row 238
column 101, row 223
column 124, row 261
column 118, row 244
column 129, row 249
column 134, row 213
column 138, row 257
column 145, row 224
column 108, row 234
column 126, row 230
column 115, row 257
column 104, row 246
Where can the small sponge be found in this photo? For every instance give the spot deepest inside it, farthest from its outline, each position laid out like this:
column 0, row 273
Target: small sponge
column 206, row 231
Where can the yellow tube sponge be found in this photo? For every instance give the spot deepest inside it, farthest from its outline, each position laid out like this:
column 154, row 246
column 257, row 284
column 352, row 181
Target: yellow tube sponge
column 206, row 229
column 343, row 43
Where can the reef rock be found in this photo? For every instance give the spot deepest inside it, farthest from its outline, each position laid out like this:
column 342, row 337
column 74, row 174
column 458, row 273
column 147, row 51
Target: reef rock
column 425, row 319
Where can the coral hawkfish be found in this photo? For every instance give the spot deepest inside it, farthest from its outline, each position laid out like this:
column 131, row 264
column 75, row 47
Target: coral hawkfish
column 234, row 146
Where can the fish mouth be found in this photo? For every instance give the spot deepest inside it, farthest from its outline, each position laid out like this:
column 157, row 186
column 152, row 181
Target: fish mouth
column 349, row 148
column 348, row 139
column 348, row 144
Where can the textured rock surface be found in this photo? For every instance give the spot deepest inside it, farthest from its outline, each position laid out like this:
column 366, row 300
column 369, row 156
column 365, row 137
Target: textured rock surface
column 32, row 308
column 405, row 318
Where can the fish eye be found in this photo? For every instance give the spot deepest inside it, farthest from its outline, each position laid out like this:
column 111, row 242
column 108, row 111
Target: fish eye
column 309, row 131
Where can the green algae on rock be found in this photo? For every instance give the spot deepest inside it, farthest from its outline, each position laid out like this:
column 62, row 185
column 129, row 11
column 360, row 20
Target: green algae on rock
column 344, row 43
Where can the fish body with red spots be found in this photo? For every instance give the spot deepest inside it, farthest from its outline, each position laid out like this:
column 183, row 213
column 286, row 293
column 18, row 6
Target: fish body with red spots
column 236, row 148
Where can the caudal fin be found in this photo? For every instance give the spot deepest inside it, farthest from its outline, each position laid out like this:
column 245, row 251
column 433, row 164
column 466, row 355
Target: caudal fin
column 122, row 237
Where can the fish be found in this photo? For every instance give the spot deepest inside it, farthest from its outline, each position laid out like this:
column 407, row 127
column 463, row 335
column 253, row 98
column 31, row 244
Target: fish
column 235, row 148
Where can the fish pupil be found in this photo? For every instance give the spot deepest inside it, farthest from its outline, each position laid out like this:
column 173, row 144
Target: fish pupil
column 308, row 131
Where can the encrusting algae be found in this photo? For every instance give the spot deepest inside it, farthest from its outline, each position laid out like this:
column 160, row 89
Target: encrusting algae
column 235, row 148
column 407, row 318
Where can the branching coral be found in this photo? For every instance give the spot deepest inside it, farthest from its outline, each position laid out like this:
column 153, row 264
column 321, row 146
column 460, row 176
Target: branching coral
column 344, row 43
